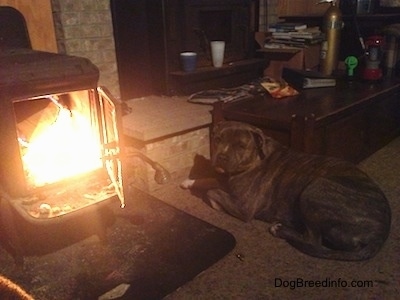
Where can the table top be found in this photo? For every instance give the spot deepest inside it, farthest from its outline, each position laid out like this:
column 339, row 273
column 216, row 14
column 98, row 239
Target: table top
column 322, row 103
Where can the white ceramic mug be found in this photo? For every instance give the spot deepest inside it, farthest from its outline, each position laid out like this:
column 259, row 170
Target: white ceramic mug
column 217, row 53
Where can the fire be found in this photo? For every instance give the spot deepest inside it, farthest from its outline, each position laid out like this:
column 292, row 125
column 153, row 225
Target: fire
column 65, row 148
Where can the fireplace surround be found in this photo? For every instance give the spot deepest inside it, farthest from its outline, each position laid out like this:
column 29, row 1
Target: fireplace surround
column 150, row 34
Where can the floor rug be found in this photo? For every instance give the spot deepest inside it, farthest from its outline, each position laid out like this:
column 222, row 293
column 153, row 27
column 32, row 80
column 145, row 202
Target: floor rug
column 152, row 249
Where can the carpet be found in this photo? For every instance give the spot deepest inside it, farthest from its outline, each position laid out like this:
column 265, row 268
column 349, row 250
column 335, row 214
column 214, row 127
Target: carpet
column 151, row 246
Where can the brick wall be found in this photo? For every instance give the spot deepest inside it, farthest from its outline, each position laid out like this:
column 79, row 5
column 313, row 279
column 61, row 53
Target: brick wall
column 176, row 154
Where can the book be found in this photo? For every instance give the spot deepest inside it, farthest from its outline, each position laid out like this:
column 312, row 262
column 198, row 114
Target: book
column 306, row 35
column 306, row 79
column 296, row 38
column 309, row 32
column 286, row 42
column 286, row 26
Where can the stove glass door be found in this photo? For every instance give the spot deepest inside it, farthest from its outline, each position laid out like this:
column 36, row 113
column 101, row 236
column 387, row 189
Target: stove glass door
column 111, row 145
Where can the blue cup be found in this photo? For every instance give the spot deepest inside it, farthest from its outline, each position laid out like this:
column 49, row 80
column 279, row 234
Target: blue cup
column 188, row 61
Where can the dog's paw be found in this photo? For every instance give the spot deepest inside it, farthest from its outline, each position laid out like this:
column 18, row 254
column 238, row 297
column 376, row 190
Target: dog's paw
column 275, row 228
column 282, row 231
column 215, row 205
column 187, row 184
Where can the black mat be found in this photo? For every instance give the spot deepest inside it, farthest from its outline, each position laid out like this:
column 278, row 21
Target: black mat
column 151, row 246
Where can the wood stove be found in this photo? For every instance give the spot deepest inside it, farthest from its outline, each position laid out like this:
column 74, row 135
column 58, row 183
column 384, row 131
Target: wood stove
column 55, row 122
column 61, row 154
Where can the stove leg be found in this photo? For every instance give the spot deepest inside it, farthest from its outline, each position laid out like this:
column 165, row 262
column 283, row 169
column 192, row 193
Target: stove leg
column 12, row 235
column 98, row 226
column 101, row 233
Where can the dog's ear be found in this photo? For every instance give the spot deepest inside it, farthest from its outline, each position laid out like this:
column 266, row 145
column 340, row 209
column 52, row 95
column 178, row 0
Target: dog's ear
column 259, row 139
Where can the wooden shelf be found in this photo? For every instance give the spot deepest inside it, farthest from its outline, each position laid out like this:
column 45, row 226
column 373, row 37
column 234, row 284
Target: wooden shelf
column 225, row 69
column 314, row 20
column 289, row 50
column 367, row 24
column 229, row 75
column 364, row 16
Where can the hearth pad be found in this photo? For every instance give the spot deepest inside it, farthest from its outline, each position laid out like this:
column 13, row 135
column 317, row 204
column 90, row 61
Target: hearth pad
column 152, row 246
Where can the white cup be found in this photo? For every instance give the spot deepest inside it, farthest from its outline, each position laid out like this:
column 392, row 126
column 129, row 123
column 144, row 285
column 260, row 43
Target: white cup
column 217, row 53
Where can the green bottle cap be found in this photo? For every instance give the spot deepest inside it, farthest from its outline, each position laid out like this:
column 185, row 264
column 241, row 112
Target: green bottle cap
column 351, row 63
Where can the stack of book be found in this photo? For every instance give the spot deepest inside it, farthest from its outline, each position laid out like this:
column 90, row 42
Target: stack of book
column 293, row 35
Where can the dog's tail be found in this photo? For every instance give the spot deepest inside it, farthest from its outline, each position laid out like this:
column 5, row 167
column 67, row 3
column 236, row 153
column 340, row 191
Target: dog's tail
column 363, row 253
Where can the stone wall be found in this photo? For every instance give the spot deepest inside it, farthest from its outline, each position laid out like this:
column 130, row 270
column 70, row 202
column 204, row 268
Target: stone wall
column 84, row 28
column 272, row 11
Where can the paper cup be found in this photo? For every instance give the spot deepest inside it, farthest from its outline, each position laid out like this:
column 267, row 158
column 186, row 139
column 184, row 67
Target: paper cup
column 217, row 53
column 188, row 61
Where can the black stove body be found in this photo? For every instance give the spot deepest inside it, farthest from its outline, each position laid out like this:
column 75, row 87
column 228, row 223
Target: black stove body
column 61, row 153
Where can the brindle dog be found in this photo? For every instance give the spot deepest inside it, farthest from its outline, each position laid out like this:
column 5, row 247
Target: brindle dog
column 323, row 206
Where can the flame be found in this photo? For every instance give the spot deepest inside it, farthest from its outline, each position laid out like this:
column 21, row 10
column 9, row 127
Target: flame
column 66, row 148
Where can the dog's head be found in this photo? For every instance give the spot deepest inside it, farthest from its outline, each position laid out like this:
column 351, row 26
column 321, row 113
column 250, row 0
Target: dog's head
column 238, row 147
